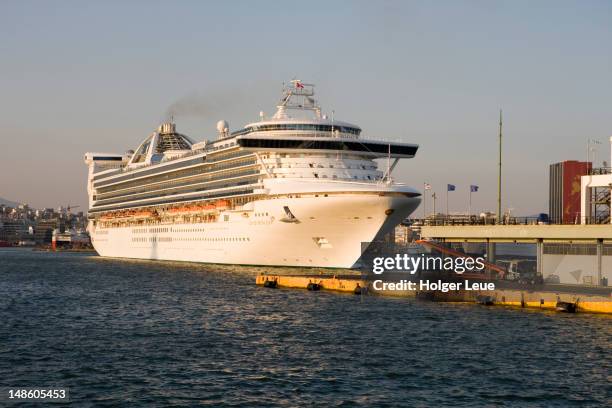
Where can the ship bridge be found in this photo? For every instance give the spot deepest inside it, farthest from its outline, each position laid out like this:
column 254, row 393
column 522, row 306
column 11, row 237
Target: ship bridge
column 299, row 112
column 299, row 125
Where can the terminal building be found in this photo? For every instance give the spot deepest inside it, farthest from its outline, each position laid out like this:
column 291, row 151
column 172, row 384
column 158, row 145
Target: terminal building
column 576, row 249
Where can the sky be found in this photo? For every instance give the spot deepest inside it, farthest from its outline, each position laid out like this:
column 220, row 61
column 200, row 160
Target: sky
column 79, row 76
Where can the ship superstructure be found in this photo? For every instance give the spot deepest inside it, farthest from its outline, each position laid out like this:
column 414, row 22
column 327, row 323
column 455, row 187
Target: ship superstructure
column 296, row 189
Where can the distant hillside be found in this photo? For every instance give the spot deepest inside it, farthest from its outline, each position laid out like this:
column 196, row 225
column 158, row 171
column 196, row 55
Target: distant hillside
column 8, row 203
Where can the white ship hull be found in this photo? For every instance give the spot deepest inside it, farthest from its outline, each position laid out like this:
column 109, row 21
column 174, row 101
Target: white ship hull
column 327, row 232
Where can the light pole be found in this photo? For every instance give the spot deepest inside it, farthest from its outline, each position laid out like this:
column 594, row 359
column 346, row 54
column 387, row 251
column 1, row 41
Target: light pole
column 499, row 174
column 424, row 201
column 470, row 204
column 434, row 204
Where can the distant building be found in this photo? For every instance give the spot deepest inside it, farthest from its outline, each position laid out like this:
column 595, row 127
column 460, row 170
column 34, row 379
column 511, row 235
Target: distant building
column 44, row 230
column 12, row 231
column 564, row 191
column 23, row 225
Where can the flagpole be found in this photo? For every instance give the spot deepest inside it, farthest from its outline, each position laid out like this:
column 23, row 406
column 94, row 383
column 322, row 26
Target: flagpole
column 470, row 206
column 424, row 198
column 446, row 201
column 499, row 174
column 434, row 204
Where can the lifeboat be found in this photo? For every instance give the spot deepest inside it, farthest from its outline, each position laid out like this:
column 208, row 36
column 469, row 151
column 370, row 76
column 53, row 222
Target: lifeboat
column 222, row 204
column 176, row 210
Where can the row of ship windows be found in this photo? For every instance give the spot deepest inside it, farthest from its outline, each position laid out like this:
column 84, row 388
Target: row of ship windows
column 164, row 229
column 168, row 189
column 298, row 126
column 180, row 190
column 179, row 175
column 151, row 171
column 311, row 155
column 206, row 239
column 187, row 229
column 158, row 186
column 320, row 166
column 334, row 176
column 217, row 164
column 205, row 196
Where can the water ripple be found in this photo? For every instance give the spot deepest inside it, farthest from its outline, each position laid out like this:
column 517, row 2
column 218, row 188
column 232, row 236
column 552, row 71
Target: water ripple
column 174, row 334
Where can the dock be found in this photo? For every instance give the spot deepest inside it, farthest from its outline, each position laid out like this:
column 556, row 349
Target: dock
column 349, row 284
column 543, row 297
column 574, row 266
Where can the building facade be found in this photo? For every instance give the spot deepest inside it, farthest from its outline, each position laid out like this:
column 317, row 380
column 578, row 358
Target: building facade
column 564, row 191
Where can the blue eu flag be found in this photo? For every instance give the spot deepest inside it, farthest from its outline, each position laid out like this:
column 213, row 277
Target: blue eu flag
column 450, row 187
column 473, row 188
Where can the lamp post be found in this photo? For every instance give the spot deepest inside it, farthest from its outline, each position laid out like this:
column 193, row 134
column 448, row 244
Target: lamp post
column 434, row 204
column 499, row 174
column 424, row 200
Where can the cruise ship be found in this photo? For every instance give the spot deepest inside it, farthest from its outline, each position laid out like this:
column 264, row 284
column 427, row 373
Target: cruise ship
column 296, row 189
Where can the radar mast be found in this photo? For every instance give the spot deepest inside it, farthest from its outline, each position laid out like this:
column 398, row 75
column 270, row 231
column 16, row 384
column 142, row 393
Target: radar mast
column 297, row 96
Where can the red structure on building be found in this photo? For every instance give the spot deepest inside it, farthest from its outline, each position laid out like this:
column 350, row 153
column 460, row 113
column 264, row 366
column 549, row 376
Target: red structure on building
column 564, row 191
